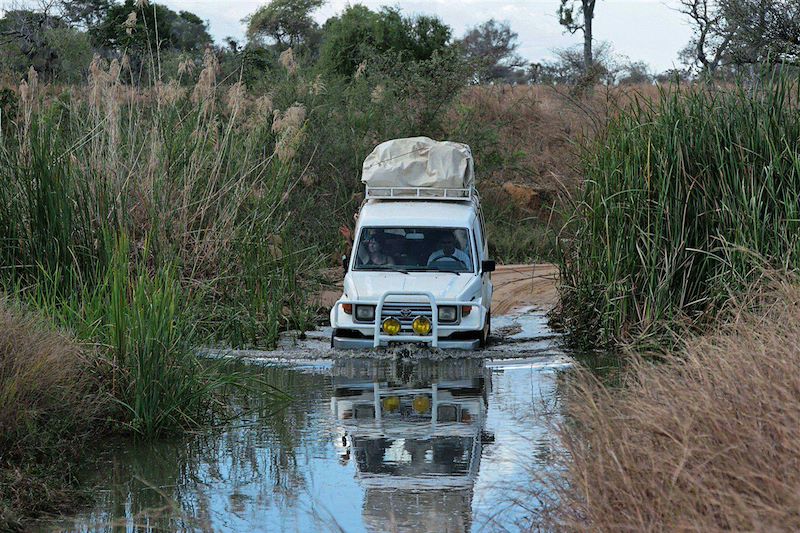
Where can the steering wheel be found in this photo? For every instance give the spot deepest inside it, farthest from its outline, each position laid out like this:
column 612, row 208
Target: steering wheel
column 450, row 258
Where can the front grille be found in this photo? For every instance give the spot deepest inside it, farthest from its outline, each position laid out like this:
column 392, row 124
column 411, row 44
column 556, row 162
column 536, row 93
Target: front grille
column 406, row 313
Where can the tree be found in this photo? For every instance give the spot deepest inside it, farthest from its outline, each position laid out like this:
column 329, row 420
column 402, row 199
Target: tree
column 42, row 40
column 569, row 67
column 634, row 73
column 286, row 22
column 188, row 33
column 736, row 33
column 128, row 27
column 712, row 37
column 84, row 14
column 492, row 47
column 358, row 33
column 577, row 15
column 765, row 30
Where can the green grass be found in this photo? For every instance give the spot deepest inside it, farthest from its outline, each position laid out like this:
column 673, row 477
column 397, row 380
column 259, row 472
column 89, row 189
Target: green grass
column 140, row 323
column 687, row 198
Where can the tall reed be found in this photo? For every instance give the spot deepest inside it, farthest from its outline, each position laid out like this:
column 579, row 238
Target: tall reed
column 687, row 197
column 192, row 174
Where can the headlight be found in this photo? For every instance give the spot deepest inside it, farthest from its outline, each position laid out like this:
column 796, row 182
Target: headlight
column 421, row 404
column 391, row 326
column 447, row 313
column 365, row 313
column 391, row 404
column 421, row 325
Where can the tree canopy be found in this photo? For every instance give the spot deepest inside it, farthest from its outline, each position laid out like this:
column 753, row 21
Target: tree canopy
column 128, row 27
column 729, row 34
column 492, row 46
column 287, row 23
column 350, row 38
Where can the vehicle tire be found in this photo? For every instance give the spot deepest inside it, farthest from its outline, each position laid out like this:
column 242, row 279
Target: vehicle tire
column 487, row 329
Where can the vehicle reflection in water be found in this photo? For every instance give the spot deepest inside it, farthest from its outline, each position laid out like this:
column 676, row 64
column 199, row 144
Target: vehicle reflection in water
column 415, row 432
column 365, row 444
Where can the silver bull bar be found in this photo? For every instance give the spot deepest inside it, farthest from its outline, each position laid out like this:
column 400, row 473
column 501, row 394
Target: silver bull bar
column 379, row 336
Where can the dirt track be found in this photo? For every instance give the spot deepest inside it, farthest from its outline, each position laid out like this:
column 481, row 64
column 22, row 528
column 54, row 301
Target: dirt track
column 524, row 286
column 516, row 287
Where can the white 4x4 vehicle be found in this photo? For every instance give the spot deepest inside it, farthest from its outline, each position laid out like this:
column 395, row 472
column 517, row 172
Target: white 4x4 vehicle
column 419, row 271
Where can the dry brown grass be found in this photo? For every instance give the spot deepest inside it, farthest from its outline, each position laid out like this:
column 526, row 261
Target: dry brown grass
column 707, row 441
column 544, row 125
column 49, row 403
column 41, row 371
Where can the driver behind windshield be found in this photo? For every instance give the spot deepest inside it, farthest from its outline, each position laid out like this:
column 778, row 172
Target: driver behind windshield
column 448, row 251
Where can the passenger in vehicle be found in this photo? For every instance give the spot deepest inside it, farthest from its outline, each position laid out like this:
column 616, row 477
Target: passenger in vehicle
column 447, row 250
column 376, row 256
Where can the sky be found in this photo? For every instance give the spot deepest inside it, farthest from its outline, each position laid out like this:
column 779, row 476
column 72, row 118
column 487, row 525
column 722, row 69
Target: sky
column 642, row 30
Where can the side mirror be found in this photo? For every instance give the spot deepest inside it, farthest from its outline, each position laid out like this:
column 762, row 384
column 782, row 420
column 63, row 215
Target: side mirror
column 487, row 266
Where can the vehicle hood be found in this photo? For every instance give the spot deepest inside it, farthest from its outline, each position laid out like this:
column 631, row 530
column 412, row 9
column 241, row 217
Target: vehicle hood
column 443, row 285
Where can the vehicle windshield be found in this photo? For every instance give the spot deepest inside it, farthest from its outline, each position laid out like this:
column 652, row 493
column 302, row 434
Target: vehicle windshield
column 414, row 249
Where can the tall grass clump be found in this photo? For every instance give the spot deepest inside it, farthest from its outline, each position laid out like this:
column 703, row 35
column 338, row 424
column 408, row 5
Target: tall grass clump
column 141, row 324
column 686, row 198
column 51, row 401
column 709, row 440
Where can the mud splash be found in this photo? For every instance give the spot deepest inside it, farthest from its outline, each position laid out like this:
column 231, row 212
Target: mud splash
column 522, row 334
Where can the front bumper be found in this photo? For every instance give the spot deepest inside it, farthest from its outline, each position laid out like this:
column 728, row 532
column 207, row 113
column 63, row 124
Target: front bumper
column 465, row 335
column 351, row 343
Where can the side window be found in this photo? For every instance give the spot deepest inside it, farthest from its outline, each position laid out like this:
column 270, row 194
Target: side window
column 483, row 228
column 477, row 230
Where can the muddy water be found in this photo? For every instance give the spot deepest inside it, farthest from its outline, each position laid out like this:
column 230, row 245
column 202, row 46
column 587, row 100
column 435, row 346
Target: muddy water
column 368, row 444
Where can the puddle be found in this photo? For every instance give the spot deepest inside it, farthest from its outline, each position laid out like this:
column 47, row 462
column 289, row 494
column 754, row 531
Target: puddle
column 369, row 444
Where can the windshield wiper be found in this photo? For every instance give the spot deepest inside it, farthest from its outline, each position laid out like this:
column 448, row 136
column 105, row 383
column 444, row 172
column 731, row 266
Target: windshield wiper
column 383, row 268
column 456, row 272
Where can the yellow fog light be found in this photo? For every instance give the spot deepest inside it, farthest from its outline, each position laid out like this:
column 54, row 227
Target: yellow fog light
column 421, row 325
column 391, row 404
column 391, row 326
column 421, row 404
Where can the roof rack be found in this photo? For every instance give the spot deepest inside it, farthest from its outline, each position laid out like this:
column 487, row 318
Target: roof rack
column 421, row 193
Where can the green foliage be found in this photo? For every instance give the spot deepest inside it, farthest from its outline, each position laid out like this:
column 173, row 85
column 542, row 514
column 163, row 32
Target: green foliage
column 687, row 199
column 47, row 43
column 573, row 14
column 84, row 13
column 516, row 236
column 287, row 22
column 46, row 218
column 208, row 188
column 359, row 33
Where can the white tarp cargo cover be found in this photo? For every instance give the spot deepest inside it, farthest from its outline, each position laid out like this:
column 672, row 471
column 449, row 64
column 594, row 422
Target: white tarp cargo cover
column 419, row 162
